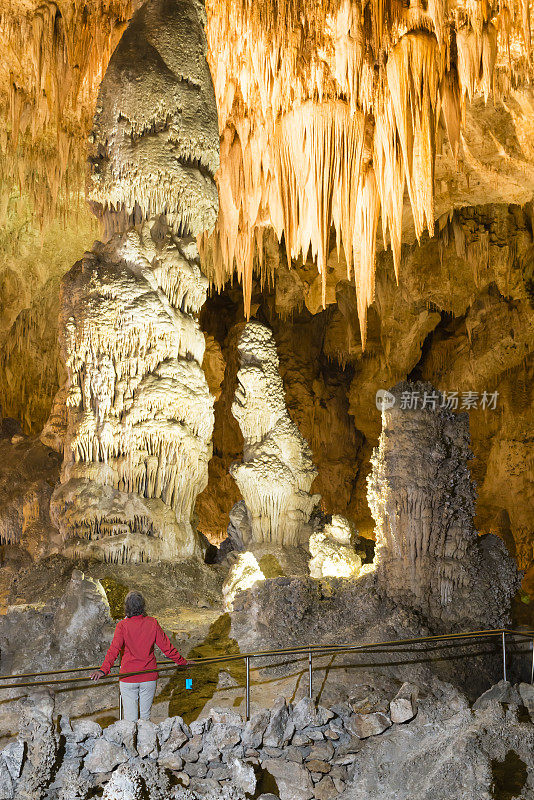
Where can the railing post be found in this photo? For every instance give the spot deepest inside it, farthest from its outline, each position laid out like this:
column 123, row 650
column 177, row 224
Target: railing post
column 247, row 700
column 504, row 654
column 310, row 681
column 532, row 666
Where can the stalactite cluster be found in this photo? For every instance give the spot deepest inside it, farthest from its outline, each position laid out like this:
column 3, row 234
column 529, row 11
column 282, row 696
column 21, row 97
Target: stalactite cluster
column 328, row 111
column 54, row 57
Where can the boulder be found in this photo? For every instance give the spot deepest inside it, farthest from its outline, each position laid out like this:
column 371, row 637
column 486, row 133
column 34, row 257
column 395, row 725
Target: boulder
column 13, row 755
column 122, row 732
column 105, row 756
column 305, row 713
column 147, row 741
column 366, row 725
column 325, row 789
column 6, row 782
column 255, row 728
column 318, row 766
column 403, row 707
column 274, row 733
column 293, row 780
column 84, row 729
column 242, row 776
column 526, row 691
column 502, row 692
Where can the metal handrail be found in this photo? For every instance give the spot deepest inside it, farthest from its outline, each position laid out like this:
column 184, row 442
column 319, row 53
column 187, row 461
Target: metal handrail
column 310, row 650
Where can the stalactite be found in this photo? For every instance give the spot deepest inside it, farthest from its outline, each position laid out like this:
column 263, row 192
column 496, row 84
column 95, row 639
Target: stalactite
column 280, row 68
column 310, row 70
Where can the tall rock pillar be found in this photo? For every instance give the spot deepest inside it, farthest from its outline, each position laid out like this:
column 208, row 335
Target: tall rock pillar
column 139, row 413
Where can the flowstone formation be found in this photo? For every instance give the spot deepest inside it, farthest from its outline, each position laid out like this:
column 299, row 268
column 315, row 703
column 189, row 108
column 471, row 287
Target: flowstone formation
column 139, row 412
column 423, row 501
column 277, row 471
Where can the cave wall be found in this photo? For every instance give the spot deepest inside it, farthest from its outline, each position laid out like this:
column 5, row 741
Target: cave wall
column 462, row 317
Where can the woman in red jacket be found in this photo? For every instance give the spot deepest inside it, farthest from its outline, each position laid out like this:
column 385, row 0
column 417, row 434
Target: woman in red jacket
column 136, row 636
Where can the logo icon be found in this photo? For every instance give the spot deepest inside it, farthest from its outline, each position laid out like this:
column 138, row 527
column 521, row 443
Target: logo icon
column 384, row 400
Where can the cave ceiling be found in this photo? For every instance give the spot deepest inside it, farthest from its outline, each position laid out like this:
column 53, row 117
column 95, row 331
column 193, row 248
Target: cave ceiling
column 423, row 107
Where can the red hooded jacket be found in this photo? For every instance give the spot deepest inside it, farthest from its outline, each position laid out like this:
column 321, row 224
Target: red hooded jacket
column 136, row 637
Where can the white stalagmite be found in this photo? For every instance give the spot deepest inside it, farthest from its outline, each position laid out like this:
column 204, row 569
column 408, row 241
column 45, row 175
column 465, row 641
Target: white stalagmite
column 139, row 412
column 421, row 496
column 277, row 471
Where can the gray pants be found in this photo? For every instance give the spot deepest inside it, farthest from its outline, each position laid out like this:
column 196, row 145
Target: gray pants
column 133, row 694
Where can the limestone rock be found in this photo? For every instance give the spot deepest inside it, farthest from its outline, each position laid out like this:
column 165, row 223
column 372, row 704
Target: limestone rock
column 13, row 755
column 123, row 487
column 274, row 733
column 325, row 789
column 422, row 498
column 502, row 692
column 244, row 573
column 255, row 729
column 137, row 780
column 403, row 707
column 104, row 756
column 85, row 729
column 40, row 745
column 526, row 691
column 6, row 782
column 155, row 117
column 146, row 741
column 242, row 776
column 366, row 725
column 332, row 552
column 139, row 412
column 293, row 780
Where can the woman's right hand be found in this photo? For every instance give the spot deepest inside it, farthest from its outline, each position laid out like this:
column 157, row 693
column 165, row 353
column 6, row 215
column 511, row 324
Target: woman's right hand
column 96, row 675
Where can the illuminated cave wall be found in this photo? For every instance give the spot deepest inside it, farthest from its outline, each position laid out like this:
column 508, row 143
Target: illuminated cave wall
column 462, row 319
column 333, row 83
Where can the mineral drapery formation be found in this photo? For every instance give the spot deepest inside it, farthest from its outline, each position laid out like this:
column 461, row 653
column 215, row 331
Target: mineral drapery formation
column 277, row 470
column 423, row 501
column 140, row 415
column 328, row 111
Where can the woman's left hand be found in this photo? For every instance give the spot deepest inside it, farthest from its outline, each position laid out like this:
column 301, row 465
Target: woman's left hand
column 96, row 675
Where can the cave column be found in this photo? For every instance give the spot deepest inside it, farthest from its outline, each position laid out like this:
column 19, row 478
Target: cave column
column 139, row 415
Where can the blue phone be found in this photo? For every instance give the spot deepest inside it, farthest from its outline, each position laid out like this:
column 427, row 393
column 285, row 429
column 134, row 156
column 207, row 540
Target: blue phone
column 189, row 683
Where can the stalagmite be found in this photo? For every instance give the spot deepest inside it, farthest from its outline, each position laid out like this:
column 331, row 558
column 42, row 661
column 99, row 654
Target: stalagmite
column 277, row 471
column 423, row 502
column 332, row 550
column 139, row 412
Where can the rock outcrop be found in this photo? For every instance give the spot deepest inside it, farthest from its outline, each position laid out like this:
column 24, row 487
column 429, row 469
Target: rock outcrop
column 305, row 751
column 60, row 632
column 428, row 553
column 140, row 416
column 277, row 471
